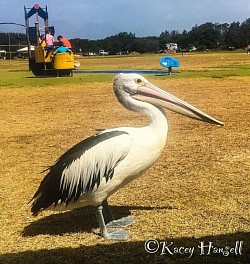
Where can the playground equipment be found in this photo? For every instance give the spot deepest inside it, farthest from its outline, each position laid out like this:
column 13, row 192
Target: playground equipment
column 41, row 61
column 168, row 62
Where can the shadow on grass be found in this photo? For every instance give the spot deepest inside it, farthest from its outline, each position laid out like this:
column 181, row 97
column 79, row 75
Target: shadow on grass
column 134, row 252
column 79, row 220
column 84, row 220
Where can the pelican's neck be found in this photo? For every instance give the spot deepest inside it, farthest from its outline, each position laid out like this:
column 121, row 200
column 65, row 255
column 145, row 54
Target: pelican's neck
column 156, row 115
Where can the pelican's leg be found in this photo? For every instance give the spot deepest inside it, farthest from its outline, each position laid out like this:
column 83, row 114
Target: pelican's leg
column 110, row 220
column 107, row 213
column 116, row 235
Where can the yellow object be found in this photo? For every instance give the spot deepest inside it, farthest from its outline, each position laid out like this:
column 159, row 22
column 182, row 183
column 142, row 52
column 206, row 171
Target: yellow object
column 61, row 60
column 64, row 61
column 42, row 42
column 49, row 58
column 40, row 54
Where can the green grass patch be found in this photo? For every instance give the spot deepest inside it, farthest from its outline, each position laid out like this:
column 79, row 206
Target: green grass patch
column 26, row 79
column 216, row 72
column 15, row 73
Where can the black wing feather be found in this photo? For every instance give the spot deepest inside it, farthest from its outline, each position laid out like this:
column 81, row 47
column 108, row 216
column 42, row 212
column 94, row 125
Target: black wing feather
column 50, row 191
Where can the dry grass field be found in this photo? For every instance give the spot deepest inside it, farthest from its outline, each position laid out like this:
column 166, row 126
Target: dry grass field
column 198, row 191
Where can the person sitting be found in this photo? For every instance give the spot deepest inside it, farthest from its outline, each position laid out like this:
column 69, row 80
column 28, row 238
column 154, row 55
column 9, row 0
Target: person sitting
column 64, row 42
column 49, row 40
column 61, row 49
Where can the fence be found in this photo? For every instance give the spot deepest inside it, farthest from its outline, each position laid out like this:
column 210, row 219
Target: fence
column 13, row 51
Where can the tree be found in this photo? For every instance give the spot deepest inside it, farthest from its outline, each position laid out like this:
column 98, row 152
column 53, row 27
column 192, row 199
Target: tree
column 121, row 43
column 235, row 36
column 205, row 36
column 164, row 39
column 145, row 45
column 245, row 28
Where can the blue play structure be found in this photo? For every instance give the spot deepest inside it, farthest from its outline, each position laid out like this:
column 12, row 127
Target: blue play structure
column 168, row 62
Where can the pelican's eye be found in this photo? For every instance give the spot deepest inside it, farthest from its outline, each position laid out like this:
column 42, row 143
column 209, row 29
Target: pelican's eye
column 139, row 81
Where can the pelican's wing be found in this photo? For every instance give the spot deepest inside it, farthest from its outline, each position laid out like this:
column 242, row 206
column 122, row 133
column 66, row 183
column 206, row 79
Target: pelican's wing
column 81, row 169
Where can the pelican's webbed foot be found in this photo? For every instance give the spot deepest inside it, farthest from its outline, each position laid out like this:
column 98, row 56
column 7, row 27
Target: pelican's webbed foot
column 117, row 234
column 122, row 222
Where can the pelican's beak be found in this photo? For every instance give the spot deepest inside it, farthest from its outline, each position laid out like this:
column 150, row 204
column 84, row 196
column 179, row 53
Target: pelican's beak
column 152, row 94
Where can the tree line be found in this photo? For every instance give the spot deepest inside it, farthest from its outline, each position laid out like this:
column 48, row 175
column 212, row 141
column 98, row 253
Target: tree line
column 211, row 36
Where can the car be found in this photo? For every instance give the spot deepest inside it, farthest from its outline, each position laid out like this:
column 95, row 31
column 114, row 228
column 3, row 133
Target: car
column 103, row 52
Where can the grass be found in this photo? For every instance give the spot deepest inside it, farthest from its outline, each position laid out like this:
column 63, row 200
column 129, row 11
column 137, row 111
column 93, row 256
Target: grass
column 25, row 79
column 197, row 191
column 218, row 65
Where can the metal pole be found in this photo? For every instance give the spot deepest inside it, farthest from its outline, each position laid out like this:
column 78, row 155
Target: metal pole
column 19, row 45
column 27, row 32
column 27, row 35
column 37, row 32
column 46, row 24
column 9, row 46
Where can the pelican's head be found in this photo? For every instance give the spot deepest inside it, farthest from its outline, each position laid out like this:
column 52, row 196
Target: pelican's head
column 136, row 87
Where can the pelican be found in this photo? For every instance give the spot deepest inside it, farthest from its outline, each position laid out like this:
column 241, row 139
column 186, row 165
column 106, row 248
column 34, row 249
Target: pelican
column 92, row 170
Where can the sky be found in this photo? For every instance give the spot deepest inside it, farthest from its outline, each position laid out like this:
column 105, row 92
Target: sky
column 97, row 19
